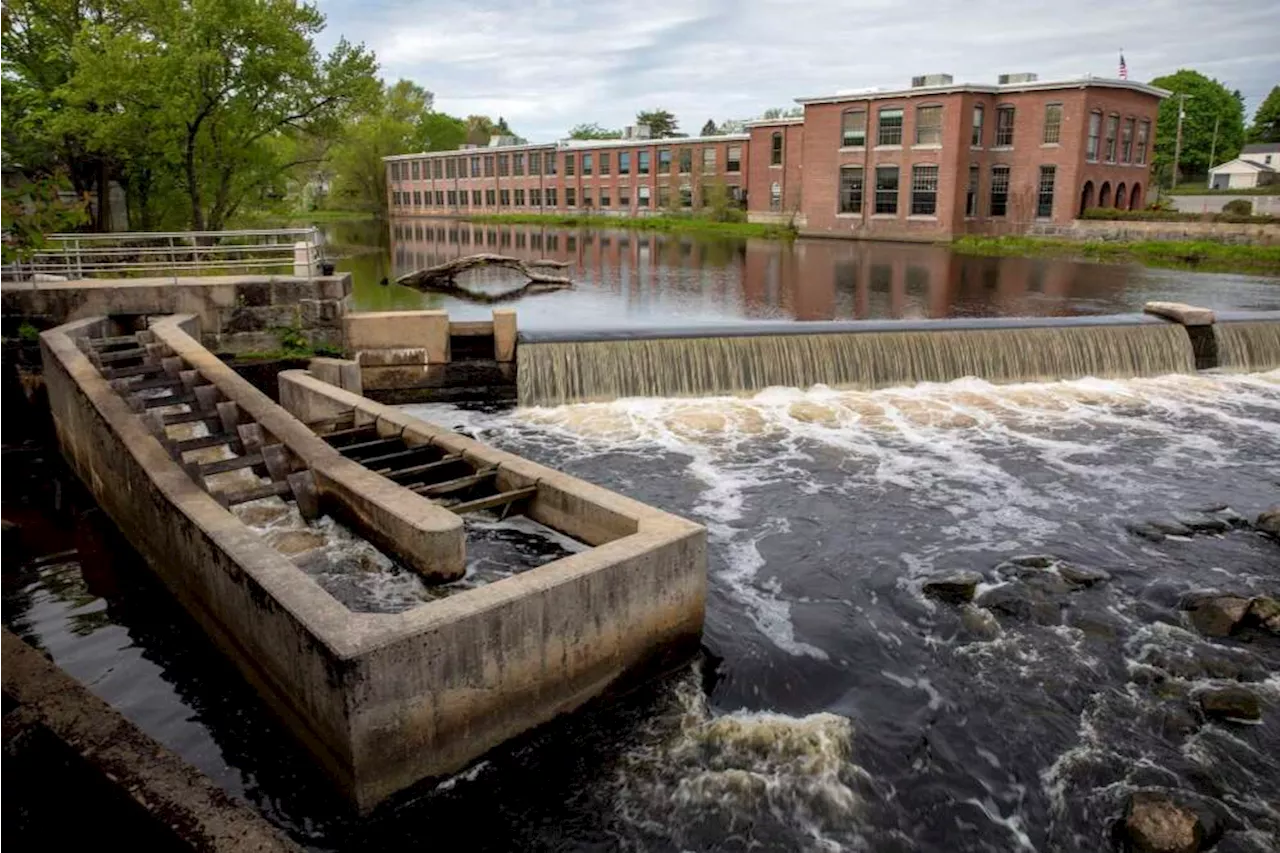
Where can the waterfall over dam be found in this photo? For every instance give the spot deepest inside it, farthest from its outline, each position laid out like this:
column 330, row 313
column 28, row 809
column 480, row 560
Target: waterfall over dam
column 558, row 368
column 1249, row 345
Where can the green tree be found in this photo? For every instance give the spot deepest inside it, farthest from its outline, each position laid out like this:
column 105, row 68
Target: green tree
column 396, row 123
column 782, row 112
column 1266, row 121
column 662, row 123
column 1208, row 102
column 480, row 128
column 593, row 131
column 709, row 129
column 215, row 95
column 442, row 132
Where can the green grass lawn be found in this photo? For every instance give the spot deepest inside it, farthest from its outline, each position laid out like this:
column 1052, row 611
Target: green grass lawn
column 1174, row 254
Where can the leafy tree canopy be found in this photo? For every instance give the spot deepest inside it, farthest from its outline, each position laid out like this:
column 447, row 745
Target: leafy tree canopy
column 1208, row 102
column 593, row 131
column 662, row 123
column 1266, row 121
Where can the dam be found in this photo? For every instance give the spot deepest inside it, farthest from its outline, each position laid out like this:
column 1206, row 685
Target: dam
column 835, row 703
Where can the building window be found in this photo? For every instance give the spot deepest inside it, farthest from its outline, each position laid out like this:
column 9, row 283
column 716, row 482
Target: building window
column 889, row 127
column 604, row 196
column 475, row 167
column 504, row 165
column 642, row 197
column 978, row 113
column 1113, row 127
column 437, row 169
column 1004, row 127
column 1044, row 197
column 517, row 164
column 588, row 166
column 535, row 196
column 1095, row 134
column 664, row 160
column 491, row 198
column 686, row 195
column 708, row 161
column 570, row 197
column 624, row 197
column 551, row 196
column 775, row 149
column 775, row 196
column 605, row 165
column 850, row 189
column 999, row 191
column 476, row 198
column 453, row 198
column 439, row 198
column 624, row 162
column 586, row 197
column 733, row 159
column 664, row 196
column 1126, row 141
column 1144, row 131
column 971, row 194
column 450, row 169
column 929, row 125
column 642, row 163
column 887, row 188
column 686, row 160
column 394, row 171
column 416, row 169
column 924, row 190
column 417, row 198
column 570, row 165
column 395, row 198
column 1052, row 124
column 853, row 128
column 488, row 165
column 504, row 197
column 535, row 162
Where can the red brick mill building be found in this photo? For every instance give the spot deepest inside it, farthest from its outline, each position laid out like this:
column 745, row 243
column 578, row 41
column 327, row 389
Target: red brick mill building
column 932, row 161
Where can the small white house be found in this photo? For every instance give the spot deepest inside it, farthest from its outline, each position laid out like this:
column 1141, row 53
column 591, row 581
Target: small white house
column 1255, row 167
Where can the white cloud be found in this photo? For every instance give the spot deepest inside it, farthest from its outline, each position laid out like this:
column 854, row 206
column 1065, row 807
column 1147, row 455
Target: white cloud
column 549, row 64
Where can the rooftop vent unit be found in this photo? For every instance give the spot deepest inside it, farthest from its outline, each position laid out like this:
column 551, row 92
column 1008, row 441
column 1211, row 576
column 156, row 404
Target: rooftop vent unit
column 1023, row 77
column 931, row 80
column 636, row 131
column 502, row 141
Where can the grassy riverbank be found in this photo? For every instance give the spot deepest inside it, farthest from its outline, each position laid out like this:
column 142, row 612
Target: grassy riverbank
column 1200, row 255
column 670, row 224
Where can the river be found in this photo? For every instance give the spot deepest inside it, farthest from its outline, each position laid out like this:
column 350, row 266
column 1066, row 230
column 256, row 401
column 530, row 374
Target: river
column 835, row 706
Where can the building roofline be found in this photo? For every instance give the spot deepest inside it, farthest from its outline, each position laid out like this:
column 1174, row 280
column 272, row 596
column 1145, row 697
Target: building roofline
column 776, row 122
column 572, row 144
column 988, row 89
column 1260, row 167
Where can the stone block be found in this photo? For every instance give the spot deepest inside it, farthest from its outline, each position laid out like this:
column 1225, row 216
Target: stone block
column 427, row 330
column 504, row 334
column 339, row 372
column 253, row 293
column 1180, row 312
column 391, row 357
column 334, row 286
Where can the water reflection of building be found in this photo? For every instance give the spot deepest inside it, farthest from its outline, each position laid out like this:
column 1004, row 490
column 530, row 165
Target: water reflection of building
column 763, row 279
column 932, row 160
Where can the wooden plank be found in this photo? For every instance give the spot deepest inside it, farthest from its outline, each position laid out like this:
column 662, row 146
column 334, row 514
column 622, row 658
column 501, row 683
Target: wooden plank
column 457, row 485
column 121, row 355
column 471, row 328
column 360, row 447
column 222, row 466
column 171, row 400
column 344, row 434
column 269, row 490
column 495, row 500
column 229, row 439
column 191, row 417
column 132, row 370
column 405, row 474
column 380, row 462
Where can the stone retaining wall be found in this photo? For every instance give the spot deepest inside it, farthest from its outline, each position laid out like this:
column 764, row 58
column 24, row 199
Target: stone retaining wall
column 1218, row 232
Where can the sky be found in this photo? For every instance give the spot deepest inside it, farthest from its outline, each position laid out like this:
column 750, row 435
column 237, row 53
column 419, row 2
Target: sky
column 547, row 65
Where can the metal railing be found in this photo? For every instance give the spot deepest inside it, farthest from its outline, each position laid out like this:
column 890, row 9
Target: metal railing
column 170, row 254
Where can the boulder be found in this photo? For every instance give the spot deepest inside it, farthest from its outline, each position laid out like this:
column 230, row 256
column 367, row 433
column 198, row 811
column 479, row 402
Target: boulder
column 954, row 587
column 1268, row 521
column 1033, row 561
column 1078, row 576
column 1230, row 703
column 1215, row 614
column 1157, row 822
column 1145, row 531
column 1170, row 527
column 1264, row 613
column 1021, row 602
column 979, row 622
column 1203, row 522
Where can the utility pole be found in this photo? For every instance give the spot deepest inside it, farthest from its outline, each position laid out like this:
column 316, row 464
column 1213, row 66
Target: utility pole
column 1177, row 145
column 1213, row 146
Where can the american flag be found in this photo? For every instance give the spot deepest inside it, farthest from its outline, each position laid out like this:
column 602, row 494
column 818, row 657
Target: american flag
column 1124, row 69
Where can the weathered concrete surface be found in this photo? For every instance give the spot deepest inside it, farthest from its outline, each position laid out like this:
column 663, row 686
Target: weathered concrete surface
column 337, row 371
column 424, row 536
column 237, row 313
column 1180, row 312
column 173, row 797
column 384, row 700
column 504, row 334
column 502, row 658
column 400, row 330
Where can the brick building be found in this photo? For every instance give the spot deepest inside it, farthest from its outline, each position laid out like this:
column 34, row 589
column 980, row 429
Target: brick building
column 934, row 160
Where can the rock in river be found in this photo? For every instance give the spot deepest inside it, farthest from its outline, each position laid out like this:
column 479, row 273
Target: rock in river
column 1155, row 822
column 1215, row 614
column 1078, row 576
column 1230, row 703
column 1264, row 612
column 1269, row 521
column 1021, row 602
column 953, row 588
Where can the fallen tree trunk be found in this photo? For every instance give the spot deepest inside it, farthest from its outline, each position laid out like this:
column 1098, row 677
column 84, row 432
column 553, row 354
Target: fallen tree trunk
column 441, row 278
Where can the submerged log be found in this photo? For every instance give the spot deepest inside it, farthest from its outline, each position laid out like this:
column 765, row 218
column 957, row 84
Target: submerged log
column 441, row 278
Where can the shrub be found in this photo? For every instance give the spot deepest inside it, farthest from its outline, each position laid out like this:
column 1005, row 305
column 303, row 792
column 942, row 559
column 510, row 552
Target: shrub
column 1238, row 207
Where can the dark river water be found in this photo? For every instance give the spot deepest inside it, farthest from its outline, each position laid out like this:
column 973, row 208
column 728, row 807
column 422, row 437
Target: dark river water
column 835, row 706
column 631, row 278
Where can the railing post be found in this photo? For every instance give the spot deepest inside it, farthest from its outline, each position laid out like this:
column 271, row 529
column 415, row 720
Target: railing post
column 79, row 261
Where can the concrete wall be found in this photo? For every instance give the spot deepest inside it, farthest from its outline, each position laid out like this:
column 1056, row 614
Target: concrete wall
column 1263, row 205
column 1220, row 232
column 384, row 700
column 237, row 313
